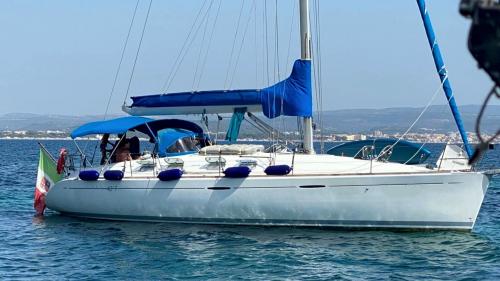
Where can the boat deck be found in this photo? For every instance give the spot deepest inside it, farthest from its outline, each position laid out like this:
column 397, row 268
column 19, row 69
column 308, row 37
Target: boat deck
column 196, row 165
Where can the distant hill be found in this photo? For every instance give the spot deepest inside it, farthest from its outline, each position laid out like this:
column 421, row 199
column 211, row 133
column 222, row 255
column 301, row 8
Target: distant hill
column 392, row 120
column 437, row 119
column 42, row 122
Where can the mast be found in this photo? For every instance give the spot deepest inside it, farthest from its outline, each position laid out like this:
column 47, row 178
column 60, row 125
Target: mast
column 305, row 54
column 443, row 73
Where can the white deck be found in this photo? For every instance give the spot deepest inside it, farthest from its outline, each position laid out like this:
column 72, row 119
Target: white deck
column 196, row 165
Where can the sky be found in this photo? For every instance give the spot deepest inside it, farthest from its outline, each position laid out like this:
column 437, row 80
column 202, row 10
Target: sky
column 61, row 57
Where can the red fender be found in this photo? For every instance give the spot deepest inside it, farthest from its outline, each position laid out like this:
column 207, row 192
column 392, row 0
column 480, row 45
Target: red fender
column 62, row 160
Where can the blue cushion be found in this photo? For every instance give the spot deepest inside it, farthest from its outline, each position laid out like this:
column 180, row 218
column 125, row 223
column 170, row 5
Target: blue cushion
column 237, row 172
column 113, row 175
column 278, row 170
column 170, row 174
column 88, row 175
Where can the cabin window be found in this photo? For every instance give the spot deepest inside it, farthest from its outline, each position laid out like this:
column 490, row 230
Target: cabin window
column 183, row 145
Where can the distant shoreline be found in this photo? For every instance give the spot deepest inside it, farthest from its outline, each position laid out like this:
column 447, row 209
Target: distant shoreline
column 243, row 140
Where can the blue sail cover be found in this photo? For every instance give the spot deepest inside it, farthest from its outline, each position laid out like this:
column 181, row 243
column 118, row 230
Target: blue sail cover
column 291, row 97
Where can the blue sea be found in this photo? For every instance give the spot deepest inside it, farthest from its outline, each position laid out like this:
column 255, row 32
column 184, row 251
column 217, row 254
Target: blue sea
column 62, row 248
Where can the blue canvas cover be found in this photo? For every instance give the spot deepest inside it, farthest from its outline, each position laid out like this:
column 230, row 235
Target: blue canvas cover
column 113, row 126
column 157, row 125
column 291, row 97
column 233, row 131
column 403, row 152
column 167, row 137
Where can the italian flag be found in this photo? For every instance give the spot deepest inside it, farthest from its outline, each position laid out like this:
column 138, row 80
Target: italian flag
column 46, row 178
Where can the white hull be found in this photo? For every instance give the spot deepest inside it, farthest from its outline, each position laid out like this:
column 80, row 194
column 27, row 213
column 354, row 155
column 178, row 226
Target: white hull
column 414, row 201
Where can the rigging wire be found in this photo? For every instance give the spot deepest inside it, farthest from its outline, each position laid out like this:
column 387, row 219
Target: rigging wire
column 234, row 43
column 276, row 34
column 317, row 58
column 418, row 117
column 252, row 10
column 288, row 62
column 138, row 50
column 256, row 48
column 288, row 57
column 266, row 44
column 265, row 48
column 188, row 47
column 205, row 23
column 275, row 65
column 121, row 60
column 181, row 54
column 118, row 68
column 211, row 36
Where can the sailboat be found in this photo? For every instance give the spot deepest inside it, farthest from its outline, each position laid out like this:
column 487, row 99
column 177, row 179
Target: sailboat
column 188, row 180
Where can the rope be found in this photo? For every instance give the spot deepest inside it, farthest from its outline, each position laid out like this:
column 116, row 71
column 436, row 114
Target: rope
column 138, row 50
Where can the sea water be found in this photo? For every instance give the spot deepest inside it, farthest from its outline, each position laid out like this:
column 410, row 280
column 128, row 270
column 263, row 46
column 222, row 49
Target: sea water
column 61, row 248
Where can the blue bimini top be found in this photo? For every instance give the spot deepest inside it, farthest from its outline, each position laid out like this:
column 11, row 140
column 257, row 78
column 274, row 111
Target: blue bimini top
column 112, row 126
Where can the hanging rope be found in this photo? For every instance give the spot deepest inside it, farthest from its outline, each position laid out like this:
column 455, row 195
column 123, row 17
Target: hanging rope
column 138, row 51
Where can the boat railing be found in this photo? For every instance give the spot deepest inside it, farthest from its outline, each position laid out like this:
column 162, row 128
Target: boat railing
column 75, row 162
column 442, row 159
column 366, row 152
column 385, row 154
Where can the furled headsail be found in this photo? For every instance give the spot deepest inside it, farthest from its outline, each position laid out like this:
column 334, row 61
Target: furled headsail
column 290, row 97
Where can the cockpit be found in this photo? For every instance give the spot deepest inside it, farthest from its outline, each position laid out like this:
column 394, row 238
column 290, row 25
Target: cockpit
column 168, row 137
